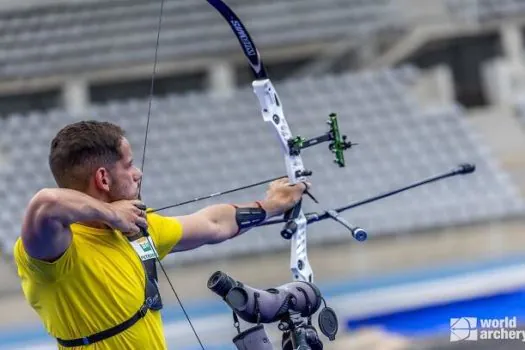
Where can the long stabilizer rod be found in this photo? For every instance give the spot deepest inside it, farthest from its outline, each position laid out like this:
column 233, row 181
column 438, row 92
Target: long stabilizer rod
column 462, row 169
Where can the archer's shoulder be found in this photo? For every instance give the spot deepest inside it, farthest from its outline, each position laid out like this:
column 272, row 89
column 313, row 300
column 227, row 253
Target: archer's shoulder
column 159, row 222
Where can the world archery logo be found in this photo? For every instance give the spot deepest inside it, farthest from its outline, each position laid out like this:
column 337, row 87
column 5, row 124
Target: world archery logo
column 464, row 328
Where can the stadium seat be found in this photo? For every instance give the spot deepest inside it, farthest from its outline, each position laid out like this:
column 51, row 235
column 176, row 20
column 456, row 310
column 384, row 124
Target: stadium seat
column 200, row 144
column 75, row 37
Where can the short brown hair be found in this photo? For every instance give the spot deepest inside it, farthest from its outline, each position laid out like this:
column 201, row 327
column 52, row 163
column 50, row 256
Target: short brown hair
column 80, row 148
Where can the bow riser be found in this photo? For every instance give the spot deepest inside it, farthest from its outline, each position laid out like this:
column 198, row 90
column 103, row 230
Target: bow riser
column 299, row 264
column 272, row 112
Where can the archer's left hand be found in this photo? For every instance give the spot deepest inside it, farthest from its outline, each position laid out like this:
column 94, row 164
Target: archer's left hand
column 282, row 196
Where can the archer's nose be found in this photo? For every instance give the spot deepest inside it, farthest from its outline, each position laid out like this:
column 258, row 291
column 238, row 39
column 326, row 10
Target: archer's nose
column 138, row 175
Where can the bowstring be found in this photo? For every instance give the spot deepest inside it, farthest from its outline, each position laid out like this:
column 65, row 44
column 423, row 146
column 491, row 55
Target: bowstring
column 144, row 159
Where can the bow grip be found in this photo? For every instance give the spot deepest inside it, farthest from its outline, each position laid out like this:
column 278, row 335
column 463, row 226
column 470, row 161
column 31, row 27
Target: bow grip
column 291, row 226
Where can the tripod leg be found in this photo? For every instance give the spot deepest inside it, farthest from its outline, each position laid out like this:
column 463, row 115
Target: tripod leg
column 286, row 342
column 254, row 338
column 303, row 338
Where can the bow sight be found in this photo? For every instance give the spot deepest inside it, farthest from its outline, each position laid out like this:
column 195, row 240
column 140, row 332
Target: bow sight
column 287, row 304
column 337, row 145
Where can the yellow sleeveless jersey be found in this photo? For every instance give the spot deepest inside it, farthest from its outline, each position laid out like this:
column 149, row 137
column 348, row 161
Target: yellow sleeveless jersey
column 97, row 284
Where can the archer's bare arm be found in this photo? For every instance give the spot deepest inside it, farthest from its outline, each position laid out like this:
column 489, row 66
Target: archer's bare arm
column 211, row 225
column 217, row 223
column 45, row 227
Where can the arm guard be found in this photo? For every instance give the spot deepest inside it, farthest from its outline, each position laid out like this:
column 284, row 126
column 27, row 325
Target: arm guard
column 249, row 217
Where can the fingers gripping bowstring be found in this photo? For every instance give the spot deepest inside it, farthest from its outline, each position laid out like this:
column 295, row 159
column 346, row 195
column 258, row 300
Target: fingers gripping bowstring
column 150, row 101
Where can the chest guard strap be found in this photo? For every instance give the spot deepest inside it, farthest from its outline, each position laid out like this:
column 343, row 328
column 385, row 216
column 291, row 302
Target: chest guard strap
column 152, row 301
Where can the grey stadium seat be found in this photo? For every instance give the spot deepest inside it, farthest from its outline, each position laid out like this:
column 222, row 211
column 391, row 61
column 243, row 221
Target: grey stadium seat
column 199, row 144
column 75, row 37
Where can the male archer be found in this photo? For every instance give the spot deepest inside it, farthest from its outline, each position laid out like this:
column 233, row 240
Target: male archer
column 81, row 266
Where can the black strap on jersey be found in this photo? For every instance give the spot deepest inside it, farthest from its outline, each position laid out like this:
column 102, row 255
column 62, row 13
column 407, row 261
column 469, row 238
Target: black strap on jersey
column 153, row 298
column 152, row 301
column 106, row 333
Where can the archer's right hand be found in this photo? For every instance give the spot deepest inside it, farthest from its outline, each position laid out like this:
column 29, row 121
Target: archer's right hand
column 128, row 218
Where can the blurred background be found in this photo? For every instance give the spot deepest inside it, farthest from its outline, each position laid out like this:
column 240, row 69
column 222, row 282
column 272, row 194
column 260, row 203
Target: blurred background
column 420, row 85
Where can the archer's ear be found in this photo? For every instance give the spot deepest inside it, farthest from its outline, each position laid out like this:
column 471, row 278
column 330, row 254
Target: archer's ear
column 102, row 179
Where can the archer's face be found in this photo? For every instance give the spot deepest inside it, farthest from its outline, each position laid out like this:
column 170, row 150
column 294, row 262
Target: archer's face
column 125, row 177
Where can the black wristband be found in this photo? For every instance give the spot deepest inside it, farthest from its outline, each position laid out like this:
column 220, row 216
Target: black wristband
column 249, row 217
